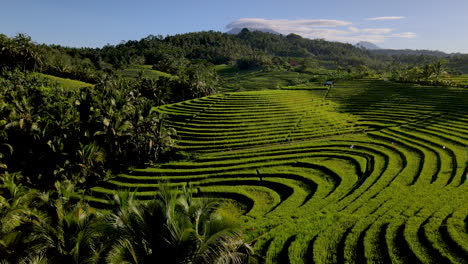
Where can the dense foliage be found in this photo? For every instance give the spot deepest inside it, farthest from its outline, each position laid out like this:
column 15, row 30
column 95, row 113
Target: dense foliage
column 429, row 74
column 51, row 133
column 57, row 227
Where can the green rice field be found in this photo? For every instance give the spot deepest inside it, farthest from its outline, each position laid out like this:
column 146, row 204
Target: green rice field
column 461, row 80
column 367, row 171
column 254, row 80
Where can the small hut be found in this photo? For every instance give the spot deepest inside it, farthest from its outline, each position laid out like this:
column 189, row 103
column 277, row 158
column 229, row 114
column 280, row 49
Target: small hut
column 328, row 83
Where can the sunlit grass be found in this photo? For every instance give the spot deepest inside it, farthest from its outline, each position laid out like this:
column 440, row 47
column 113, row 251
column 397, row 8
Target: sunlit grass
column 145, row 71
column 64, row 82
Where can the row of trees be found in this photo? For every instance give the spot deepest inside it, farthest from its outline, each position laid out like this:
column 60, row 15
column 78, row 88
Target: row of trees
column 58, row 227
column 20, row 52
column 429, row 74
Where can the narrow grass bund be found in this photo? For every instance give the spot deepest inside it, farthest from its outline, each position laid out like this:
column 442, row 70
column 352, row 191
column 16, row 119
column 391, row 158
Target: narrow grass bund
column 373, row 173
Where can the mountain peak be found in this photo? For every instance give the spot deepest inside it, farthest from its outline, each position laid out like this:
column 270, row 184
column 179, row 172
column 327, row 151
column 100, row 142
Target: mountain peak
column 367, row 45
column 237, row 30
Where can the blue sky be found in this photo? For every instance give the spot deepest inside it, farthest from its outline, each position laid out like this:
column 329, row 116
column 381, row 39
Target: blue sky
column 414, row 24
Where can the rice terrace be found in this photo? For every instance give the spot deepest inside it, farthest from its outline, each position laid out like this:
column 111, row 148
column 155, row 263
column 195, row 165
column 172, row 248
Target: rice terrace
column 234, row 132
column 373, row 172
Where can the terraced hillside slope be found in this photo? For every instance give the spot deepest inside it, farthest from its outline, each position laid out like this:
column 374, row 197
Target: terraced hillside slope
column 367, row 172
column 461, row 80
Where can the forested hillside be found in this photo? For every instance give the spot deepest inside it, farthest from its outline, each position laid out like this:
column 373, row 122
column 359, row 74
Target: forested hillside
column 169, row 54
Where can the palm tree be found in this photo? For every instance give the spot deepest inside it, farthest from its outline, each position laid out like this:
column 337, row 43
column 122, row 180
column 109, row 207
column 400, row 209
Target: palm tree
column 427, row 72
column 17, row 213
column 176, row 228
column 48, row 228
column 72, row 233
column 438, row 68
column 217, row 240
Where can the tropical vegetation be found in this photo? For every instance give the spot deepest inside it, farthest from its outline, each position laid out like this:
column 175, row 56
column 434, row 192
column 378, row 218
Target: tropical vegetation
column 214, row 148
column 59, row 227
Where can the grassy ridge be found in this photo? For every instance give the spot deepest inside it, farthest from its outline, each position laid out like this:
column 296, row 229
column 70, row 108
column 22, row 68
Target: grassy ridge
column 64, row 82
column 145, row 71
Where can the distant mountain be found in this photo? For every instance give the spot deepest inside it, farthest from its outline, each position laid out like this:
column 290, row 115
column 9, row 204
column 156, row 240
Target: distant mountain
column 236, row 31
column 367, row 45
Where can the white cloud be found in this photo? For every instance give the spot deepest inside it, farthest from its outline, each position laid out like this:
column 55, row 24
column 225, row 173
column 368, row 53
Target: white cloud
column 385, row 18
column 405, row 35
column 371, row 30
column 354, row 29
column 285, row 25
column 329, row 29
